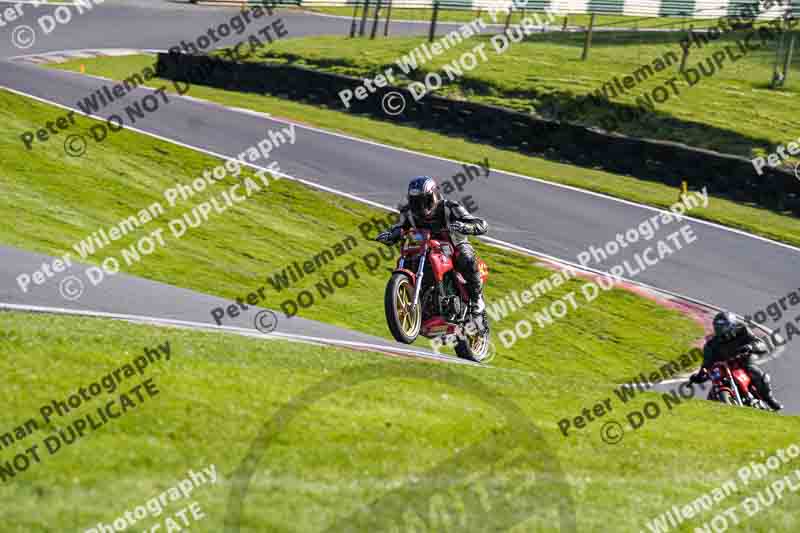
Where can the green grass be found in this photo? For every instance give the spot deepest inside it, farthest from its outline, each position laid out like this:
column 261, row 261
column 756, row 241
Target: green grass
column 775, row 225
column 387, row 426
column 460, row 15
column 60, row 200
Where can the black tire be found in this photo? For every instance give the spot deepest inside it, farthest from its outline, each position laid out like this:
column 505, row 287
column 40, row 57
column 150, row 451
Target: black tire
column 465, row 349
column 475, row 348
column 405, row 334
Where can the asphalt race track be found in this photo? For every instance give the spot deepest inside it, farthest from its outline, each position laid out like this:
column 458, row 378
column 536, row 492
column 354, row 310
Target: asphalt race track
column 726, row 268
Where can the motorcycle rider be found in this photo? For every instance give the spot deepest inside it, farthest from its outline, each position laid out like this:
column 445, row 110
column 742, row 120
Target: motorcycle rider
column 733, row 338
column 428, row 209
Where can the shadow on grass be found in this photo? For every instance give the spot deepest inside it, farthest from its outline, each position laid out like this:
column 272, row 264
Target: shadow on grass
column 587, row 110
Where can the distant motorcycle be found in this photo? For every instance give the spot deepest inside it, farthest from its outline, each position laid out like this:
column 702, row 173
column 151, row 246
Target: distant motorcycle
column 732, row 384
column 426, row 295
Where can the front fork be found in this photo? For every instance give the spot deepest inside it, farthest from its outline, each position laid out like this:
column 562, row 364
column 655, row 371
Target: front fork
column 418, row 285
column 734, row 387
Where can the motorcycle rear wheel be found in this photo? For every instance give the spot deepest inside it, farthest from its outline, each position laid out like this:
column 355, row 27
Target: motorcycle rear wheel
column 402, row 321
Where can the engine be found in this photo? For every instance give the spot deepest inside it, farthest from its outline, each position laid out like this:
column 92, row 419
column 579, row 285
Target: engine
column 442, row 299
column 450, row 301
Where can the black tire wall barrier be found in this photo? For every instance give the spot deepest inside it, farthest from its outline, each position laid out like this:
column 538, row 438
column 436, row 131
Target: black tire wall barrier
column 666, row 162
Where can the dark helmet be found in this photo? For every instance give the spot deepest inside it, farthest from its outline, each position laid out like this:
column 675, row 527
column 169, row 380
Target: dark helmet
column 423, row 197
column 725, row 324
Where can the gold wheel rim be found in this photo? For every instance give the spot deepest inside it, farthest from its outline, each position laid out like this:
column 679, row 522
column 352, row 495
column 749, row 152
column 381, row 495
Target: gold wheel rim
column 477, row 342
column 407, row 318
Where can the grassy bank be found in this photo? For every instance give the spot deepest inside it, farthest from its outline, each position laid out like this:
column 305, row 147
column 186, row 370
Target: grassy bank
column 731, row 110
column 779, row 226
column 573, row 19
column 60, row 200
column 367, row 442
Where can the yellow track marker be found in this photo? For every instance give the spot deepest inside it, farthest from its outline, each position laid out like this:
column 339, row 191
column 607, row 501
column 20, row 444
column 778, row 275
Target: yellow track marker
column 683, row 190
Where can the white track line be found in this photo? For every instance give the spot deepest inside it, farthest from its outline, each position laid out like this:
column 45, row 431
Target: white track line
column 40, row 3
column 389, row 208
column 205, row 151
column 234, row 329
column 422, row 154
column 546, row 182
column 137, row 51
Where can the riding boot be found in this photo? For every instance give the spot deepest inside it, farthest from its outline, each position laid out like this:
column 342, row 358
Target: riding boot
column 763, row 384
column 477, row 308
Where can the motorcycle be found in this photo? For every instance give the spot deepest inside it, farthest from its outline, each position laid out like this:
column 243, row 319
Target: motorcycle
column 426, row 296
column 731, row 384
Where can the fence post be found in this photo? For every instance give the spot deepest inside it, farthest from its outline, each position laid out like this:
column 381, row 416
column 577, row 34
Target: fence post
column 777, row 71
column 787, row 64
column 434, row 16
column 364, row 19
column 388, row 17
column 685, row 56
column 375, row 20
column 588, row 42
column 353, row 22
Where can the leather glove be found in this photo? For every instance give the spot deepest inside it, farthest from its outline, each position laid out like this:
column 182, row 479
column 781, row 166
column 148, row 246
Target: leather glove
column 385, row 237
column 700, row 377
column 747, row 349
column 458, row 227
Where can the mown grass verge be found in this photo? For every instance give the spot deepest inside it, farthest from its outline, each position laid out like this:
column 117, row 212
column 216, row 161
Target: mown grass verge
column 389, row 434
column 60, row 200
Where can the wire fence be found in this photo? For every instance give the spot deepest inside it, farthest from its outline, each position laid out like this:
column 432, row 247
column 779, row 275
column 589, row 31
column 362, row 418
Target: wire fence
column 638, row 25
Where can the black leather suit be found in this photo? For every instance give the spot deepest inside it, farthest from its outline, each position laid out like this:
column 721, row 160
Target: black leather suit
column 719, row 349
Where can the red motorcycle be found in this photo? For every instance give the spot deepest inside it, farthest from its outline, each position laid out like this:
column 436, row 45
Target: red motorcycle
column 732, row 384
column 426, row 295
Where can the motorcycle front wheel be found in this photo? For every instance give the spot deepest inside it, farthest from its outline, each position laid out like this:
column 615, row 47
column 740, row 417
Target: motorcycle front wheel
column 403, row 322
column 726, row 398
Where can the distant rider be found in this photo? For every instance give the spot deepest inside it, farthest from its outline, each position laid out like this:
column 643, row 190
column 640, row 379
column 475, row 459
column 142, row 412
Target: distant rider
column 428, row 209
column 732, row 338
